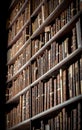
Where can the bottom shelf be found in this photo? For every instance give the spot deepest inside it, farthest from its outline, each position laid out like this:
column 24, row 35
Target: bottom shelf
column 66, row 113
column 66, row 116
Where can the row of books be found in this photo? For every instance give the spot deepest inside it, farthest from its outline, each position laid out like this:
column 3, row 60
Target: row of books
column 20, row 112
column 60, row 21
column 20, row 61
column 15, row 10
column 60, row 87
column 22, row 81
column 63, row 86
column 63, row 120
column 64, row 17
column 18, row 44
column 66, row 118
column 19, row 23
column 55, row 53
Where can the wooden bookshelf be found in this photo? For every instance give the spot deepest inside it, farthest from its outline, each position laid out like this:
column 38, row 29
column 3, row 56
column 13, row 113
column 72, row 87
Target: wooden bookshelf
column 44, row 61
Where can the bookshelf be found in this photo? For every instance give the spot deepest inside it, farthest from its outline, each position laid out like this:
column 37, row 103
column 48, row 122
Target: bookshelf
column 44, row 61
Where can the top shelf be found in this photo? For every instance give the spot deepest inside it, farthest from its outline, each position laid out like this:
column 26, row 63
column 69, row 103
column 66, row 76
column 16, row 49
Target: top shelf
column 51, row 17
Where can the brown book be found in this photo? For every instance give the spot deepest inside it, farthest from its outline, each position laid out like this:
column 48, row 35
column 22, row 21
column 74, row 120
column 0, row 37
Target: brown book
column 41, row 96
column 81, row 74
column 57, row 53
column 55, row 91
column 58, row 90
column 49, row 58
column 75, row 119
column 43, row 13
column 61, row 85
column 78, row 33
column 28, row 114
column 36, row 102
column 20, row 110
column 66, row 43
column 64, row 97
column 61, row 119
column 73, row 80
column 60, row 52
column 33, row 101
column 64, row 118
column 79, row 108
column 70, row 76
column 51, row 92
column 77, row 79
column 48, row 94
column 24, row 107
column 45, row 96
column 74, row 40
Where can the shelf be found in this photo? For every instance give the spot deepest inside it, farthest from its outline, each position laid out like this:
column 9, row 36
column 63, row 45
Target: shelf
column 57, row 108
column 51, row 17
column 20, row 11
column 46, row 113
column 66, row 61
column 60, row 33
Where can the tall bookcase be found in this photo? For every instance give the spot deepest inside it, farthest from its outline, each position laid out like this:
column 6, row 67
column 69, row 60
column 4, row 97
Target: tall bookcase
column 44, row 61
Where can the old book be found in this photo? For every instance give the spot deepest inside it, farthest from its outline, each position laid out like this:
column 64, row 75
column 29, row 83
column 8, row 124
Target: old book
column 81, row 74
column 33, row 101
column 45, row 96
column 61, row 120
column 55, row 91
column 28, row 114
column 60, row 52
column 64, row 96
column 70, row 77
column 43, row 13
column 79, row 108
column 74, row 40
column 58, row 90
column 41, row 96
column 74, row 118
column 24, row 107
column 36, row 95
column 78, row 31
column 57, row 53
column 48, row 94
column 61, row 86
column 77, row 79
column 51, row 92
